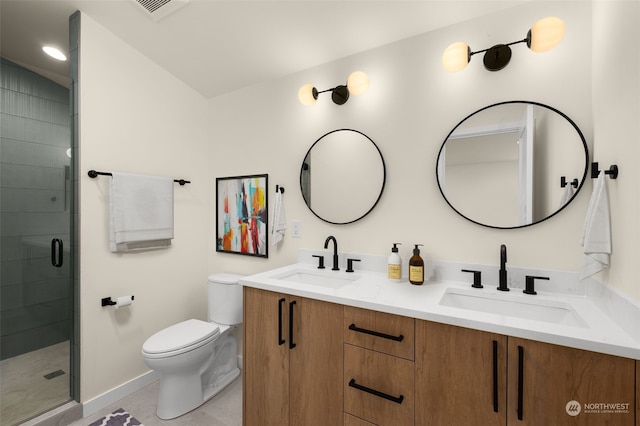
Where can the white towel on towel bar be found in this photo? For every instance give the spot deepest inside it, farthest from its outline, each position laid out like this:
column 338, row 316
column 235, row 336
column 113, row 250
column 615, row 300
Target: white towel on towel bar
column 279, row 220
column 596, row 235
column 141, row 212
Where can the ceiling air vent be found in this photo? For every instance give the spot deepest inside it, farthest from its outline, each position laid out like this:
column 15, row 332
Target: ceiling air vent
column 158, row 9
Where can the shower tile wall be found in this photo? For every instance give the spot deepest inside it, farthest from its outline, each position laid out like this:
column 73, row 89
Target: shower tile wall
column 35, row 297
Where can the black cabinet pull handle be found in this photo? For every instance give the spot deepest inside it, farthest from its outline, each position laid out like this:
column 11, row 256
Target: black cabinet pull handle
column 495, row 376
column 291, row 344
column 56, row 252
column 376, row 333
column 280, row 339
column 520, row 381
column 397, row 400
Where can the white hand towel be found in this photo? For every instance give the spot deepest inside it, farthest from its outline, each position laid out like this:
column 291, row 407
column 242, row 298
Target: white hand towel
column 279, row 220
column 567, row 193
column 141, row 212
column 596, row 235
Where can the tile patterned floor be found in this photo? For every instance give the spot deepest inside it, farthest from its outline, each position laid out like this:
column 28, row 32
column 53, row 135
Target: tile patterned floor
column 23, row 388
column 225, row 409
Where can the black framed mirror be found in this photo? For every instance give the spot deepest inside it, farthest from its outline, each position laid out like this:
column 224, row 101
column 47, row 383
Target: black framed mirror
column 342, row 176
column 512, row 164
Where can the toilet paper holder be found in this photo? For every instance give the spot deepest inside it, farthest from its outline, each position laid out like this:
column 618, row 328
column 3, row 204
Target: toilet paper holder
column 107, row 301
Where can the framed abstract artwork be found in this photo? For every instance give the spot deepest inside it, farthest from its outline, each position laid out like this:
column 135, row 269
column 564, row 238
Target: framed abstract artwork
column 242, row 215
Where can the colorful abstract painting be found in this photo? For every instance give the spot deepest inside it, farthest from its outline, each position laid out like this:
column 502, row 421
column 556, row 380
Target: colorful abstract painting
column 242, row 215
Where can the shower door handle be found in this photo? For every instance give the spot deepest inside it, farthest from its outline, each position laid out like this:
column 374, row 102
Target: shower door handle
column 56, row 252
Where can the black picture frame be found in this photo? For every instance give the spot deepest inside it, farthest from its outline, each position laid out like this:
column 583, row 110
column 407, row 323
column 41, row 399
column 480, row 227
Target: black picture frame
column 242, row 219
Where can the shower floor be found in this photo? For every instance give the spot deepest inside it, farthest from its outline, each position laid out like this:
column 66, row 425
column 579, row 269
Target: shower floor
column 25, row 392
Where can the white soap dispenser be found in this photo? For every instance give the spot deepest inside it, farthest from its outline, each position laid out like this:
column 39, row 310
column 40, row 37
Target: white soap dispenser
column 394, row 264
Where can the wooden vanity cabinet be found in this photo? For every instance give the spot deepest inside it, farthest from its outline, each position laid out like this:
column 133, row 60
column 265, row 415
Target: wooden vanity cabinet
column 457, row 382
column 300, row 356
column 292, row 366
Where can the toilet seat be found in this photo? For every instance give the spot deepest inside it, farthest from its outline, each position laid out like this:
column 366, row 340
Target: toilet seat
column 180, row 338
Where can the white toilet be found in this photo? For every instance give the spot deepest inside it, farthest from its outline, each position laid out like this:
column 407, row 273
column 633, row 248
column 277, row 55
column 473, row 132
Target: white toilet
column 197, row 359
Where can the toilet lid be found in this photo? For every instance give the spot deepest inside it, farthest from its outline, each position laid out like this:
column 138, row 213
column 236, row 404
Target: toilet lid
column 179, row 336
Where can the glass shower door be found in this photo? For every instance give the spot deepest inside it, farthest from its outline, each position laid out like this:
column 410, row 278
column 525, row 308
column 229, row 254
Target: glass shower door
column 36, row 282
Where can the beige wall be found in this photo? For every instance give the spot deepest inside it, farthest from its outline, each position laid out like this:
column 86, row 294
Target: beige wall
column 137, row 118
column 616, row 110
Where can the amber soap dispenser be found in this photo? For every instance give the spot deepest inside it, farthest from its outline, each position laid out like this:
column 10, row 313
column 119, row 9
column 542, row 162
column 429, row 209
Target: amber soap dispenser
column 416, row 267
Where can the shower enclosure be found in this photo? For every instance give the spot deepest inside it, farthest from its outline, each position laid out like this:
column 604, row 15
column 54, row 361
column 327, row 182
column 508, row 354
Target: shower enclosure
column 37, row 199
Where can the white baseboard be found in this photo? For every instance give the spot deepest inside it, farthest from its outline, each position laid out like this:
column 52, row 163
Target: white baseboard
column 98, row 403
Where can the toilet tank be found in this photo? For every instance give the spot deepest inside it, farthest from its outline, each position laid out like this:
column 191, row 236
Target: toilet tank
column 225, row 299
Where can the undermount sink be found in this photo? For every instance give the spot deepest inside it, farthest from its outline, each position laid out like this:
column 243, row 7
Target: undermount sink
column 556, row 312
column 332, row 279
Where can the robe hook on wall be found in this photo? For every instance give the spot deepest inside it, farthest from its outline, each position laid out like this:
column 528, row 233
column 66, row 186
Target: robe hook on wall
column 563, row 182
column 612, row 171
column 280, row 189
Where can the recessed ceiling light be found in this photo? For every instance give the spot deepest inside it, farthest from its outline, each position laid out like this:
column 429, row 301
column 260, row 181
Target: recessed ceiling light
column 54, row 53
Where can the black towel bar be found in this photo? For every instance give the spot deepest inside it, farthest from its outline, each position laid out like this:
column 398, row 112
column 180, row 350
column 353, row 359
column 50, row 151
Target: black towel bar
column 94, row 174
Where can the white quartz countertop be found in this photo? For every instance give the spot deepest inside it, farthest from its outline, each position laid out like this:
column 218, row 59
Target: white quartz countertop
column 372, row 290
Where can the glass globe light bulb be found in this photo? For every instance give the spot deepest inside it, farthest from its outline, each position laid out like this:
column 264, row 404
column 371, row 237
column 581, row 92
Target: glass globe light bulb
column 305, row 95
column 456, row 56
column 357, row 83
column 545, row 34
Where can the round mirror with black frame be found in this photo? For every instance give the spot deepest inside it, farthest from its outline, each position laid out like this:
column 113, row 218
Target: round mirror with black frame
column 342, row 176
column 512, row 164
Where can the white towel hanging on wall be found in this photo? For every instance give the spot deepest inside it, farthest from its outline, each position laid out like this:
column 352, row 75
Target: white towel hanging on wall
column 279, row 220
column 567, row 194
column 141, row 212
column 596, row 235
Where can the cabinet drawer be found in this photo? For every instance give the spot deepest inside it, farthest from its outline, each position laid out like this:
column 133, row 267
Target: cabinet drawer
column 378, row 388
column 382, row 332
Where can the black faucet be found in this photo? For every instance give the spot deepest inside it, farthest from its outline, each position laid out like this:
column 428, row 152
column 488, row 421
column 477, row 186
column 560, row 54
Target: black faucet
column 335, row 251
column 503, row 271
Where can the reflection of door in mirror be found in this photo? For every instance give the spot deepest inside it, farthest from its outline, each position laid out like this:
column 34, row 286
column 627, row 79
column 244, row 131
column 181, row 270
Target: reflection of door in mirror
column 525, row 167
column 482, row 177
column 502, row 165
column 482, row 171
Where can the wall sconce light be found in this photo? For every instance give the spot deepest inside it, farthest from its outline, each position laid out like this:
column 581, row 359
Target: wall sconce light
column 543, row 35
column 357, row 84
